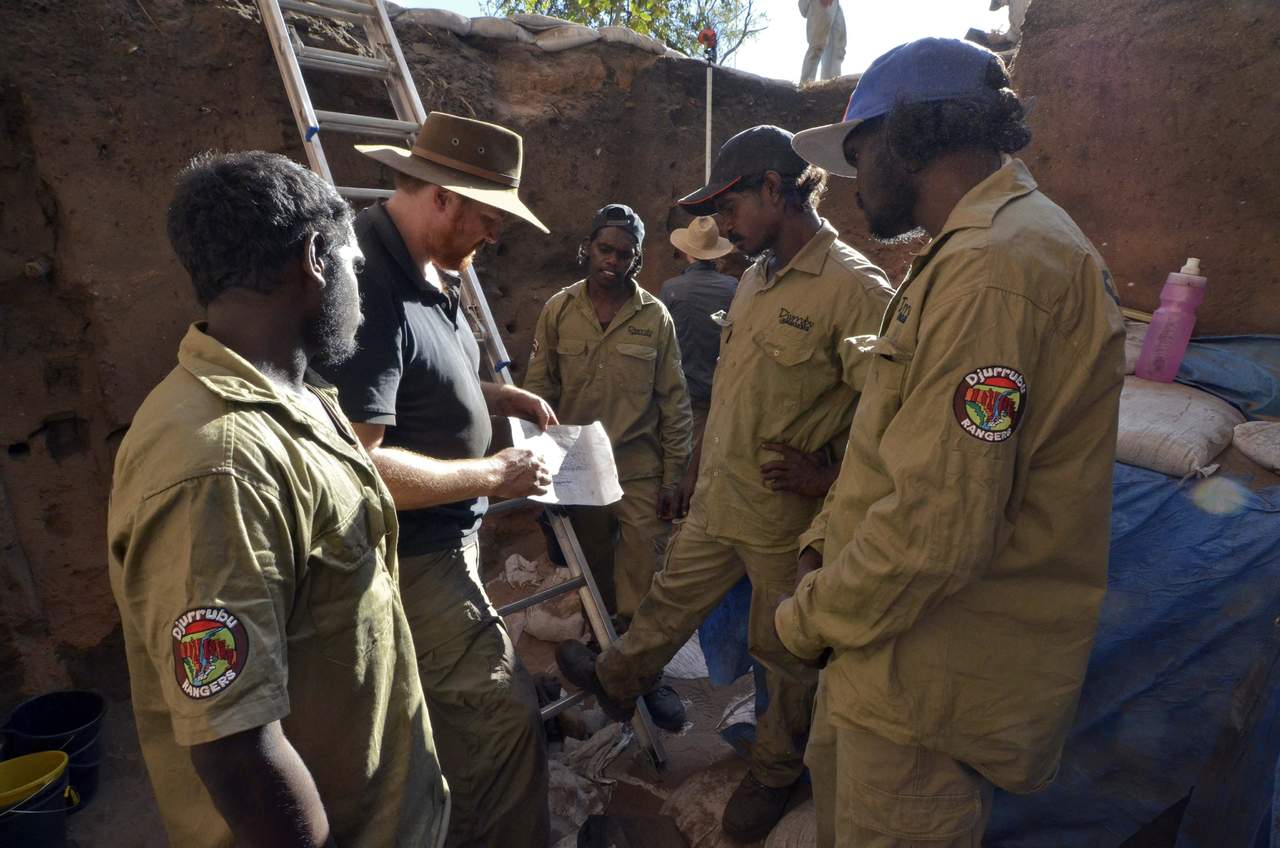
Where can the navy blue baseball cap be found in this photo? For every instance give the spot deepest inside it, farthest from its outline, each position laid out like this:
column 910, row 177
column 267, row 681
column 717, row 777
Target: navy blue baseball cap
column 922, row 71
column 750, row 153
column 621, row 216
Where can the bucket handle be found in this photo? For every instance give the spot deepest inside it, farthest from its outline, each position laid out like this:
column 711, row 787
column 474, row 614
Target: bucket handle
column 70, row 795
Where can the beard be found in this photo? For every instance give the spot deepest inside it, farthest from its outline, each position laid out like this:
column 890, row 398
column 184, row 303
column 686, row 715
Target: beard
column 893, row 222
column 453, row 251
column 332, row 335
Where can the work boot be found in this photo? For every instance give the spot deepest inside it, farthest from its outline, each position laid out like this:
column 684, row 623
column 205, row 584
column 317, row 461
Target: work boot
column 665, row 708
column 578, row 665
column 754, row 809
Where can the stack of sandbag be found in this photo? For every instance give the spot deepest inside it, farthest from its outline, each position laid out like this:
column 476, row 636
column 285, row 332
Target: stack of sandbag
column 1260, row 441
column 1173, row 429
column 558, row 620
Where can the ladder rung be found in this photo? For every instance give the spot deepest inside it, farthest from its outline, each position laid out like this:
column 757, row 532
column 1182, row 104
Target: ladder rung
column 543, row 596
column 364, row 124
column 510, row 505
column 554, row 709
column 352, row 193
column 324, row 11
column 336, row 60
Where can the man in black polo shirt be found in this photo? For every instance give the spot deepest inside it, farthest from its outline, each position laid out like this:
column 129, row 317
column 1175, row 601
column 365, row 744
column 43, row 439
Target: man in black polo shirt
column 415, row 399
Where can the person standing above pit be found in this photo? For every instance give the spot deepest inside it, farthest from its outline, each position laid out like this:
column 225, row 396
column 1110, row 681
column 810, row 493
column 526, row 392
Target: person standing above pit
column 692, row 298
column 961, row 558
column 414, row 392
column 825, row 32
column 787, row 382
column 252, row 545
column 605, row 349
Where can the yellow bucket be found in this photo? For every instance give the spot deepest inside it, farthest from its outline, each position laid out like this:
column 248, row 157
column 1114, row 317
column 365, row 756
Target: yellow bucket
column 22, row 777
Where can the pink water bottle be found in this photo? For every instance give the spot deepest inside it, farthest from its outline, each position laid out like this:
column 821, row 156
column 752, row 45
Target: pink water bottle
column 1172, row 323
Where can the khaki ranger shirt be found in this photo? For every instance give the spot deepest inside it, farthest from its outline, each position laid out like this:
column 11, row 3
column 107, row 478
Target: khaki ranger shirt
column 785, row 375
column 253, row 558
column 626, row 375
column 965, row 542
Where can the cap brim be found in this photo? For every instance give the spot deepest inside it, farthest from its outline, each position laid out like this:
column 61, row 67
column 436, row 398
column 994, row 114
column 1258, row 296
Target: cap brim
column 483, row 191
column 824, row 147
column 703, row 201
column 723, row 247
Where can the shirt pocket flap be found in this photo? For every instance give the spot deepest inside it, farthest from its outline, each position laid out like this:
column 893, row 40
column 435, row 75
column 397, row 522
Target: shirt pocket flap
column 638, row 351
column 885, row 346
column 348, row 546
column 784, row 351
column 571, row 347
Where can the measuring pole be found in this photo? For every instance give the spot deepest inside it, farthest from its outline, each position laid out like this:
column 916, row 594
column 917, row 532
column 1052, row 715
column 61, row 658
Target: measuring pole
column 707, row 38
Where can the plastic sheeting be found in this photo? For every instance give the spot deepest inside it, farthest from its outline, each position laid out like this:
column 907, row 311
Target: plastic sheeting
column 1194, row 588
column 1242, row 370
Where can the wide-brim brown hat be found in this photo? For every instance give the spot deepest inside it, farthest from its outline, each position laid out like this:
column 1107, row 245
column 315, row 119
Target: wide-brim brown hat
column 701, row 239
column 476, row 159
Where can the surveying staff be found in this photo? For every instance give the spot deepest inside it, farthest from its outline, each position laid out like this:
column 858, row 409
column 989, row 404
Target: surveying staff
column 605, row 349
column 963, row 550
column 420, row 408
column 786, row 379
column 252, row 546
column 699, row 292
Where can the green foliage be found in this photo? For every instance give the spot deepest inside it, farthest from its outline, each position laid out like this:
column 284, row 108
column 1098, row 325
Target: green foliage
column 675, row 23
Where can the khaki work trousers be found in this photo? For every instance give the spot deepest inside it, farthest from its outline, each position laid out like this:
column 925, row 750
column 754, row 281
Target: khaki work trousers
column 698, row 572
column 483, row 708
column 624, row 543
column 872, row 793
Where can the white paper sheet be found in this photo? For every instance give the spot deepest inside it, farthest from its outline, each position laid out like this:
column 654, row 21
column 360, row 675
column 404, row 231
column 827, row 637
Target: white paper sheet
column 580, row 460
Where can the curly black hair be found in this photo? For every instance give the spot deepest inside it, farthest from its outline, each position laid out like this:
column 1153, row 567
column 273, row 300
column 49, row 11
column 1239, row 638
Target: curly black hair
column 236, row 219
column 918, row 132
column 801, row 192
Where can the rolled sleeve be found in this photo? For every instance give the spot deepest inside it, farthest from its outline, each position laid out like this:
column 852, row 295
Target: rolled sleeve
column 944, row 520
column 208, row 583
column 674, row 413
column 542, row 377
column 368, row 382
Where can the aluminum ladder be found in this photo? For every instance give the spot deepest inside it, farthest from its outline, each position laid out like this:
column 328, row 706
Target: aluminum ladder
column 386, row 63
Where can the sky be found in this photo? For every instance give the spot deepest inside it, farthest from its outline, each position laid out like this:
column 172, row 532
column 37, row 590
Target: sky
column 873, row 26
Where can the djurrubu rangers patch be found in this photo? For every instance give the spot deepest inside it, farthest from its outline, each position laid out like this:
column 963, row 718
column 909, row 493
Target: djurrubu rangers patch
column 210, row 647
column 989, row 402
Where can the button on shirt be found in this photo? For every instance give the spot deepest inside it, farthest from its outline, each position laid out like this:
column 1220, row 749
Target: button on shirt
column 626, row 375
column 965, row 541
column 785, row 374
column 692, row 298
column 252, row 554
column 417, row 372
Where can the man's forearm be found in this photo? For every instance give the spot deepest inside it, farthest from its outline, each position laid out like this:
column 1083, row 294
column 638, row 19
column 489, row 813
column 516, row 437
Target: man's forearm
column 263, row 790
column 417, row 482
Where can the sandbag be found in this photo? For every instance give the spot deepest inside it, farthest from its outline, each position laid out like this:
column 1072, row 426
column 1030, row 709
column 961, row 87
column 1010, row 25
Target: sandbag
column 500, row 29
column 798, row 828
column 623, row 35
column 565, row 37
column 1135, row 333
column 539, row 23
column 459, row 25
column 1171, row 428
column 1260, row 441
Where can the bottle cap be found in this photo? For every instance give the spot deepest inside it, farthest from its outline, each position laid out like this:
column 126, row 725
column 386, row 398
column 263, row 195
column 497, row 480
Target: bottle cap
column 1192, row 267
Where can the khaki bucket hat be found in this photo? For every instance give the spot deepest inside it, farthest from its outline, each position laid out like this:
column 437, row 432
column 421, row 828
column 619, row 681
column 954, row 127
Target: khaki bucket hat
column 476, row 159
column 701, row 239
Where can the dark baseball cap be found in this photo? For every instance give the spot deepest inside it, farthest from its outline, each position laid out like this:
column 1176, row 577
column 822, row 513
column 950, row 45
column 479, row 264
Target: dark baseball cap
column 621, row 216
column 750, row 152
column 921, row 71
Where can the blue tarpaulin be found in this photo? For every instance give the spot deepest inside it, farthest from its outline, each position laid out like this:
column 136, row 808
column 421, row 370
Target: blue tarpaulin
column 1194, row 589
column 1242, row 370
